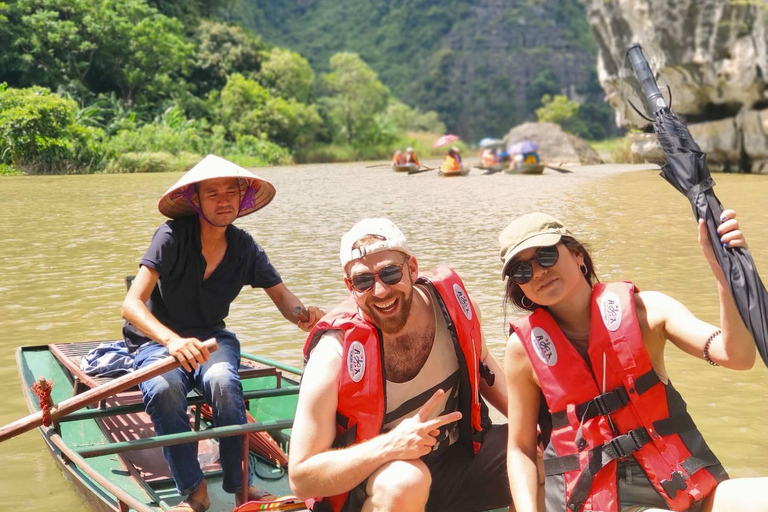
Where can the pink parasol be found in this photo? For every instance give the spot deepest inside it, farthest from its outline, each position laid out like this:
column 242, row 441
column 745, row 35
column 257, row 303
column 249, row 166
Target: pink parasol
column 445, row 140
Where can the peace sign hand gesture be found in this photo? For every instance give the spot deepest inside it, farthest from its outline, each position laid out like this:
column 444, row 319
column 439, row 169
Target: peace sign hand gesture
column 414, row 437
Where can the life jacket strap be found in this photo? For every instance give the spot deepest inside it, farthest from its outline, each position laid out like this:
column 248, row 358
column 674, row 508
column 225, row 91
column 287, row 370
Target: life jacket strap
column 606, row 403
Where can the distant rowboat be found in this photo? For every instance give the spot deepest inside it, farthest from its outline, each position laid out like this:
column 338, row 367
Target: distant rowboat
column 405, row 167
column 526, row 169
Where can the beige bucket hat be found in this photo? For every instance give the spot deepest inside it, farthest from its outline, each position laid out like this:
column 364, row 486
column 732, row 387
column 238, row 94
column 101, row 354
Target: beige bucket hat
column 531, row 230
column 255, row 192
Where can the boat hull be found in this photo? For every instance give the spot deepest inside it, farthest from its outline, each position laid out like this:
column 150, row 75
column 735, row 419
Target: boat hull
column 405, row 167
column 453, row 173
column 526, row 169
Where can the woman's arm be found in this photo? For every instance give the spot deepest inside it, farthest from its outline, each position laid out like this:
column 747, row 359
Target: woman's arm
column 523, row 410
column 734, row 346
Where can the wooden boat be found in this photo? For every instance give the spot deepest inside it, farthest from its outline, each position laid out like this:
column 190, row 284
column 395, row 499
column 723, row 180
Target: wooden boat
column 526, row 169
column 405, row 167
column 448, row 174
column 111, row 453
column 491, row 168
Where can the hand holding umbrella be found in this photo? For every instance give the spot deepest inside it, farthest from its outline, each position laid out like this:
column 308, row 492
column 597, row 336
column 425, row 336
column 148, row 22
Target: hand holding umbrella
column 686, row 169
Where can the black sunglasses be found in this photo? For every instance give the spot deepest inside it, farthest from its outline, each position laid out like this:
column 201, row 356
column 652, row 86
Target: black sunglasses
column 390, row 275
column 522, row 271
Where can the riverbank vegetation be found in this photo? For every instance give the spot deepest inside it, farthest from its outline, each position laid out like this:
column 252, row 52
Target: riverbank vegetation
column 152, row 85
column 137, row 86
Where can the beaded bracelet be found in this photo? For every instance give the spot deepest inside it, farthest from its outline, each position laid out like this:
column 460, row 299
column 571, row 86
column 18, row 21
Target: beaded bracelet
column 706, row 347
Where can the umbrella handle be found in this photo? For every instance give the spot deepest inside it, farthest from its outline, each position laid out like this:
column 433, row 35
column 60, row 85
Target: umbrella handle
column 645, row 77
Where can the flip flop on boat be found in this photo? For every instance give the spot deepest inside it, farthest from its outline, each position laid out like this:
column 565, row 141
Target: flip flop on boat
column 277, row 504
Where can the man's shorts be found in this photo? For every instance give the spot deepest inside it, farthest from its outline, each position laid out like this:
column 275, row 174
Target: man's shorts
column 463, row 482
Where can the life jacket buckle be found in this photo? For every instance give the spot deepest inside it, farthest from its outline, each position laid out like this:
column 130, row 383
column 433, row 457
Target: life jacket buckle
column 611, row 401
column 674, row 484
column 625, row 445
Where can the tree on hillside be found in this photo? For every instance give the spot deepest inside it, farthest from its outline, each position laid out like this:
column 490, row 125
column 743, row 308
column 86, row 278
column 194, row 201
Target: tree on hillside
column 545, row 83
column 356, row 95
column 222, row 50
column 245, row 107
column 124, row 46
column 287, row 74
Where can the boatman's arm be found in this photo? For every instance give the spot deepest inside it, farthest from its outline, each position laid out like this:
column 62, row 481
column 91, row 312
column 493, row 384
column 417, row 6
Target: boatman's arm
column 188, row 351
column 315, row 470
column 287, row 303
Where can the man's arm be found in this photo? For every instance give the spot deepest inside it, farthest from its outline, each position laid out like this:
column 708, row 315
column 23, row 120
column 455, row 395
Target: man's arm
column 315, row 470
column 496, row 395
column 287, row 303
column 188, row 351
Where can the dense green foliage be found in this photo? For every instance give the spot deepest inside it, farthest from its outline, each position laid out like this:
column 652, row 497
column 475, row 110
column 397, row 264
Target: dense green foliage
column 482, row 65
column 147, row 85
column 39, row 135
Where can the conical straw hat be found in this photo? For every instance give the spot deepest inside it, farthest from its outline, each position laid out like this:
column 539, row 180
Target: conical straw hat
column 255, row 192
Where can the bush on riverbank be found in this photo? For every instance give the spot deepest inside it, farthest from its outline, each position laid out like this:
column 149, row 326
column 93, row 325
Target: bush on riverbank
column 614, row 151
column 39, row 134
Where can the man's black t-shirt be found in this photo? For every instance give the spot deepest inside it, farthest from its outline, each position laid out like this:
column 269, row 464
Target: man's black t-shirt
column 182, row 300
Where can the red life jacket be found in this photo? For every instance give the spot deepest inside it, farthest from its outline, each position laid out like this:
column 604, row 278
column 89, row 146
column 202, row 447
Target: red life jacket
column 362, row 398
column 613, row 408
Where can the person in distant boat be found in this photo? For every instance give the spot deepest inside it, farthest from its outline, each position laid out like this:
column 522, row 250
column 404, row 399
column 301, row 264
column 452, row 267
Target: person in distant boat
column 195, row 266
column 488, row 158
column 410, row 157
column 588, row 366
column 452, row 161
column 390, row 415
column 398, row 158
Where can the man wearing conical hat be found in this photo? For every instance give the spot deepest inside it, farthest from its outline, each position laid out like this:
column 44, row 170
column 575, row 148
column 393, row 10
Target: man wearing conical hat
column 195, row 266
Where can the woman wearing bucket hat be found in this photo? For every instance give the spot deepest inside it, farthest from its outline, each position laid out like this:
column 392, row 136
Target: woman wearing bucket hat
column 196, row 265
column 587, row 368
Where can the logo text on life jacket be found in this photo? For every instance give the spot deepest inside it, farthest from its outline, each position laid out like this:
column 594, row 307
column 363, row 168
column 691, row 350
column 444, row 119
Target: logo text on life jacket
column 356, row 361
column 610, row 310
column 543, row 346
column 463, row 301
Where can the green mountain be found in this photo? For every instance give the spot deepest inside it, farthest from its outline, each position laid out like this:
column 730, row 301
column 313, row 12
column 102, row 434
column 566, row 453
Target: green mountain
column 483, row 65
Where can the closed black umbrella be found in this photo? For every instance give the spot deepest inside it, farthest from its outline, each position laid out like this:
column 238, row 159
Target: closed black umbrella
column 686, row 169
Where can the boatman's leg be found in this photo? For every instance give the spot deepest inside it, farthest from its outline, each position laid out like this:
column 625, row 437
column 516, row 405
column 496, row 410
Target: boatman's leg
column 165, row 399
column 221, row 386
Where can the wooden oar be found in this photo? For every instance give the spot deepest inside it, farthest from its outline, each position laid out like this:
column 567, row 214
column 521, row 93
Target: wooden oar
column 417, row 171
column 376, row 165
column 558, row 169
column 95, row 395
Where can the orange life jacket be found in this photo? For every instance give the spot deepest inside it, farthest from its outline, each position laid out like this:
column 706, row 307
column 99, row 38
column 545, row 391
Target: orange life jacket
column 362, row 398
column 633, row 414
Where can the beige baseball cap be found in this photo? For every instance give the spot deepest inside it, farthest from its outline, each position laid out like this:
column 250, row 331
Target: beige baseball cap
column 391, row 239
column 530, row 230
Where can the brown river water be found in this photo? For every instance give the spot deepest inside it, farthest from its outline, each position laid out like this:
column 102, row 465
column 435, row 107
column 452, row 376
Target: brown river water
column 66, row 243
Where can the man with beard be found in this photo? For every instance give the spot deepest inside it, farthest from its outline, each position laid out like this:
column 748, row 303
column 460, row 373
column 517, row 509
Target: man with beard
column 390, row 415
column 194, row 268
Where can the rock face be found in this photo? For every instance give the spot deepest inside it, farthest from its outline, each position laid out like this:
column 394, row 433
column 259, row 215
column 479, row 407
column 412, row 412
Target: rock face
column 713, row 55
column 555, row 145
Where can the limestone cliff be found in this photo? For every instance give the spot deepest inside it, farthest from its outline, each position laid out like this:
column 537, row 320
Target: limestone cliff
column 713, row 54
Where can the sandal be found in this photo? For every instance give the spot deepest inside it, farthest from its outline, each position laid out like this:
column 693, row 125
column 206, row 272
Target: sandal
column 190, row 505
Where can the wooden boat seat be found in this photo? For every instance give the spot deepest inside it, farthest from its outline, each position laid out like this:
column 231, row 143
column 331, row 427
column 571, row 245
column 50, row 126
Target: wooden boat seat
column 149, row 464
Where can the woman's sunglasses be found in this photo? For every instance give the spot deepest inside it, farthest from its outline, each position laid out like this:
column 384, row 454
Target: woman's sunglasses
column 390, row 275
column 522, row 272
